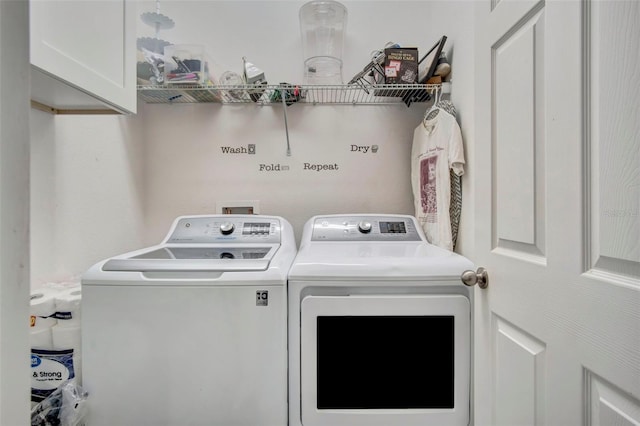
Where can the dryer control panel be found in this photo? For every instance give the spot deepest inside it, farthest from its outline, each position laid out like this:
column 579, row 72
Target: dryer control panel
column 365, row 228
column 225, row 228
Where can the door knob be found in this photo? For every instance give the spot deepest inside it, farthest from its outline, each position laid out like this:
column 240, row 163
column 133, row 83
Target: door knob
column 480, row 277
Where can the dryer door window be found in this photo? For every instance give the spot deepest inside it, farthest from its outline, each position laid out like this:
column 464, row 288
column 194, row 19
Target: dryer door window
column 368, row 360
column 385, row 362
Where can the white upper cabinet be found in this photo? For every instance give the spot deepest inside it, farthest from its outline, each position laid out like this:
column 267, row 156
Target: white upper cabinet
column 83, row 54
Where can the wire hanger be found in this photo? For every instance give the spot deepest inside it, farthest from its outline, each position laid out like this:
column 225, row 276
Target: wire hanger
column 438, row 96
column 434, row 110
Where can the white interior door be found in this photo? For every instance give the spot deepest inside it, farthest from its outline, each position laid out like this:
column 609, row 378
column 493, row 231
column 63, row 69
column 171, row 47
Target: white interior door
column 558, row 212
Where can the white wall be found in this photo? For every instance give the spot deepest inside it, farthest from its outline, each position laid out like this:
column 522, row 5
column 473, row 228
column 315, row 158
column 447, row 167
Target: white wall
column 87, row 192
column 186, row 170
column 102, row 185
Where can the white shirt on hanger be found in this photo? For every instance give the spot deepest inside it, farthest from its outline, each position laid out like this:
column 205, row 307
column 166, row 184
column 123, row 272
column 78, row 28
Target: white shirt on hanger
column 437, row 147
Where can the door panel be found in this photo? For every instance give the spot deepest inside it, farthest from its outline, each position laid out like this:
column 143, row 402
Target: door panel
column 613, row 138
column 518, row 140
column 608, row 405
column 521, row 360
column 557, row 212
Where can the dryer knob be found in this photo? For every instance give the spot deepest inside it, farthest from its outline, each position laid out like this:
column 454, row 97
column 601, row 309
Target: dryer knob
column 227, row 228
column 364, row 227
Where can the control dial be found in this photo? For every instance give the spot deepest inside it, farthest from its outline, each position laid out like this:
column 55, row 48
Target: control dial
column 227, row 228
column 364, row 227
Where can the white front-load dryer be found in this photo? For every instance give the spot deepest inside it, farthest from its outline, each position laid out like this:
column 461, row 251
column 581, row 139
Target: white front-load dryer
column 379, row 326
column 191, row 331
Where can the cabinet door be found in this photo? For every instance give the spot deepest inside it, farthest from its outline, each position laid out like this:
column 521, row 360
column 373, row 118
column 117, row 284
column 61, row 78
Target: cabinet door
column 88, row 45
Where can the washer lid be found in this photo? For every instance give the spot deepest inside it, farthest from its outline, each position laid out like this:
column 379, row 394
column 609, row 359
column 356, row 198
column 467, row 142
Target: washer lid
column 196, row 259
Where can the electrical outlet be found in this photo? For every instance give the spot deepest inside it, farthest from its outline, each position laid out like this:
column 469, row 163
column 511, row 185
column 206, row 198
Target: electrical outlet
column 238, row 207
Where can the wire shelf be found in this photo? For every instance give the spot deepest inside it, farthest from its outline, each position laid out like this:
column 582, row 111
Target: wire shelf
column 354, row 94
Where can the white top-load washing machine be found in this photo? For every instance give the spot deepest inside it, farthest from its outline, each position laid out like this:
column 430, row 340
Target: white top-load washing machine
column 191, row 331
column 379, row 326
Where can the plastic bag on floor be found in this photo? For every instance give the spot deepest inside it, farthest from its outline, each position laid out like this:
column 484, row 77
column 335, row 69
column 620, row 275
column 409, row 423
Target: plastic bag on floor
column 66, row 406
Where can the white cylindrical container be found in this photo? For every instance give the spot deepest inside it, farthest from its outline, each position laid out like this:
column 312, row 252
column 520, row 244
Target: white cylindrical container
column 322, row 26
column 68, row 307
column 43, row 308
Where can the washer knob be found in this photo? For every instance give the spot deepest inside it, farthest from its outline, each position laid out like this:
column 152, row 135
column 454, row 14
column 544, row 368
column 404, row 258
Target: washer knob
column 227, row 228
column 364, row 227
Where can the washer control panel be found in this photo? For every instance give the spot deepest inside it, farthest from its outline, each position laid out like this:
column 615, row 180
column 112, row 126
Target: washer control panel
column 365, row 228
column 225, row 228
